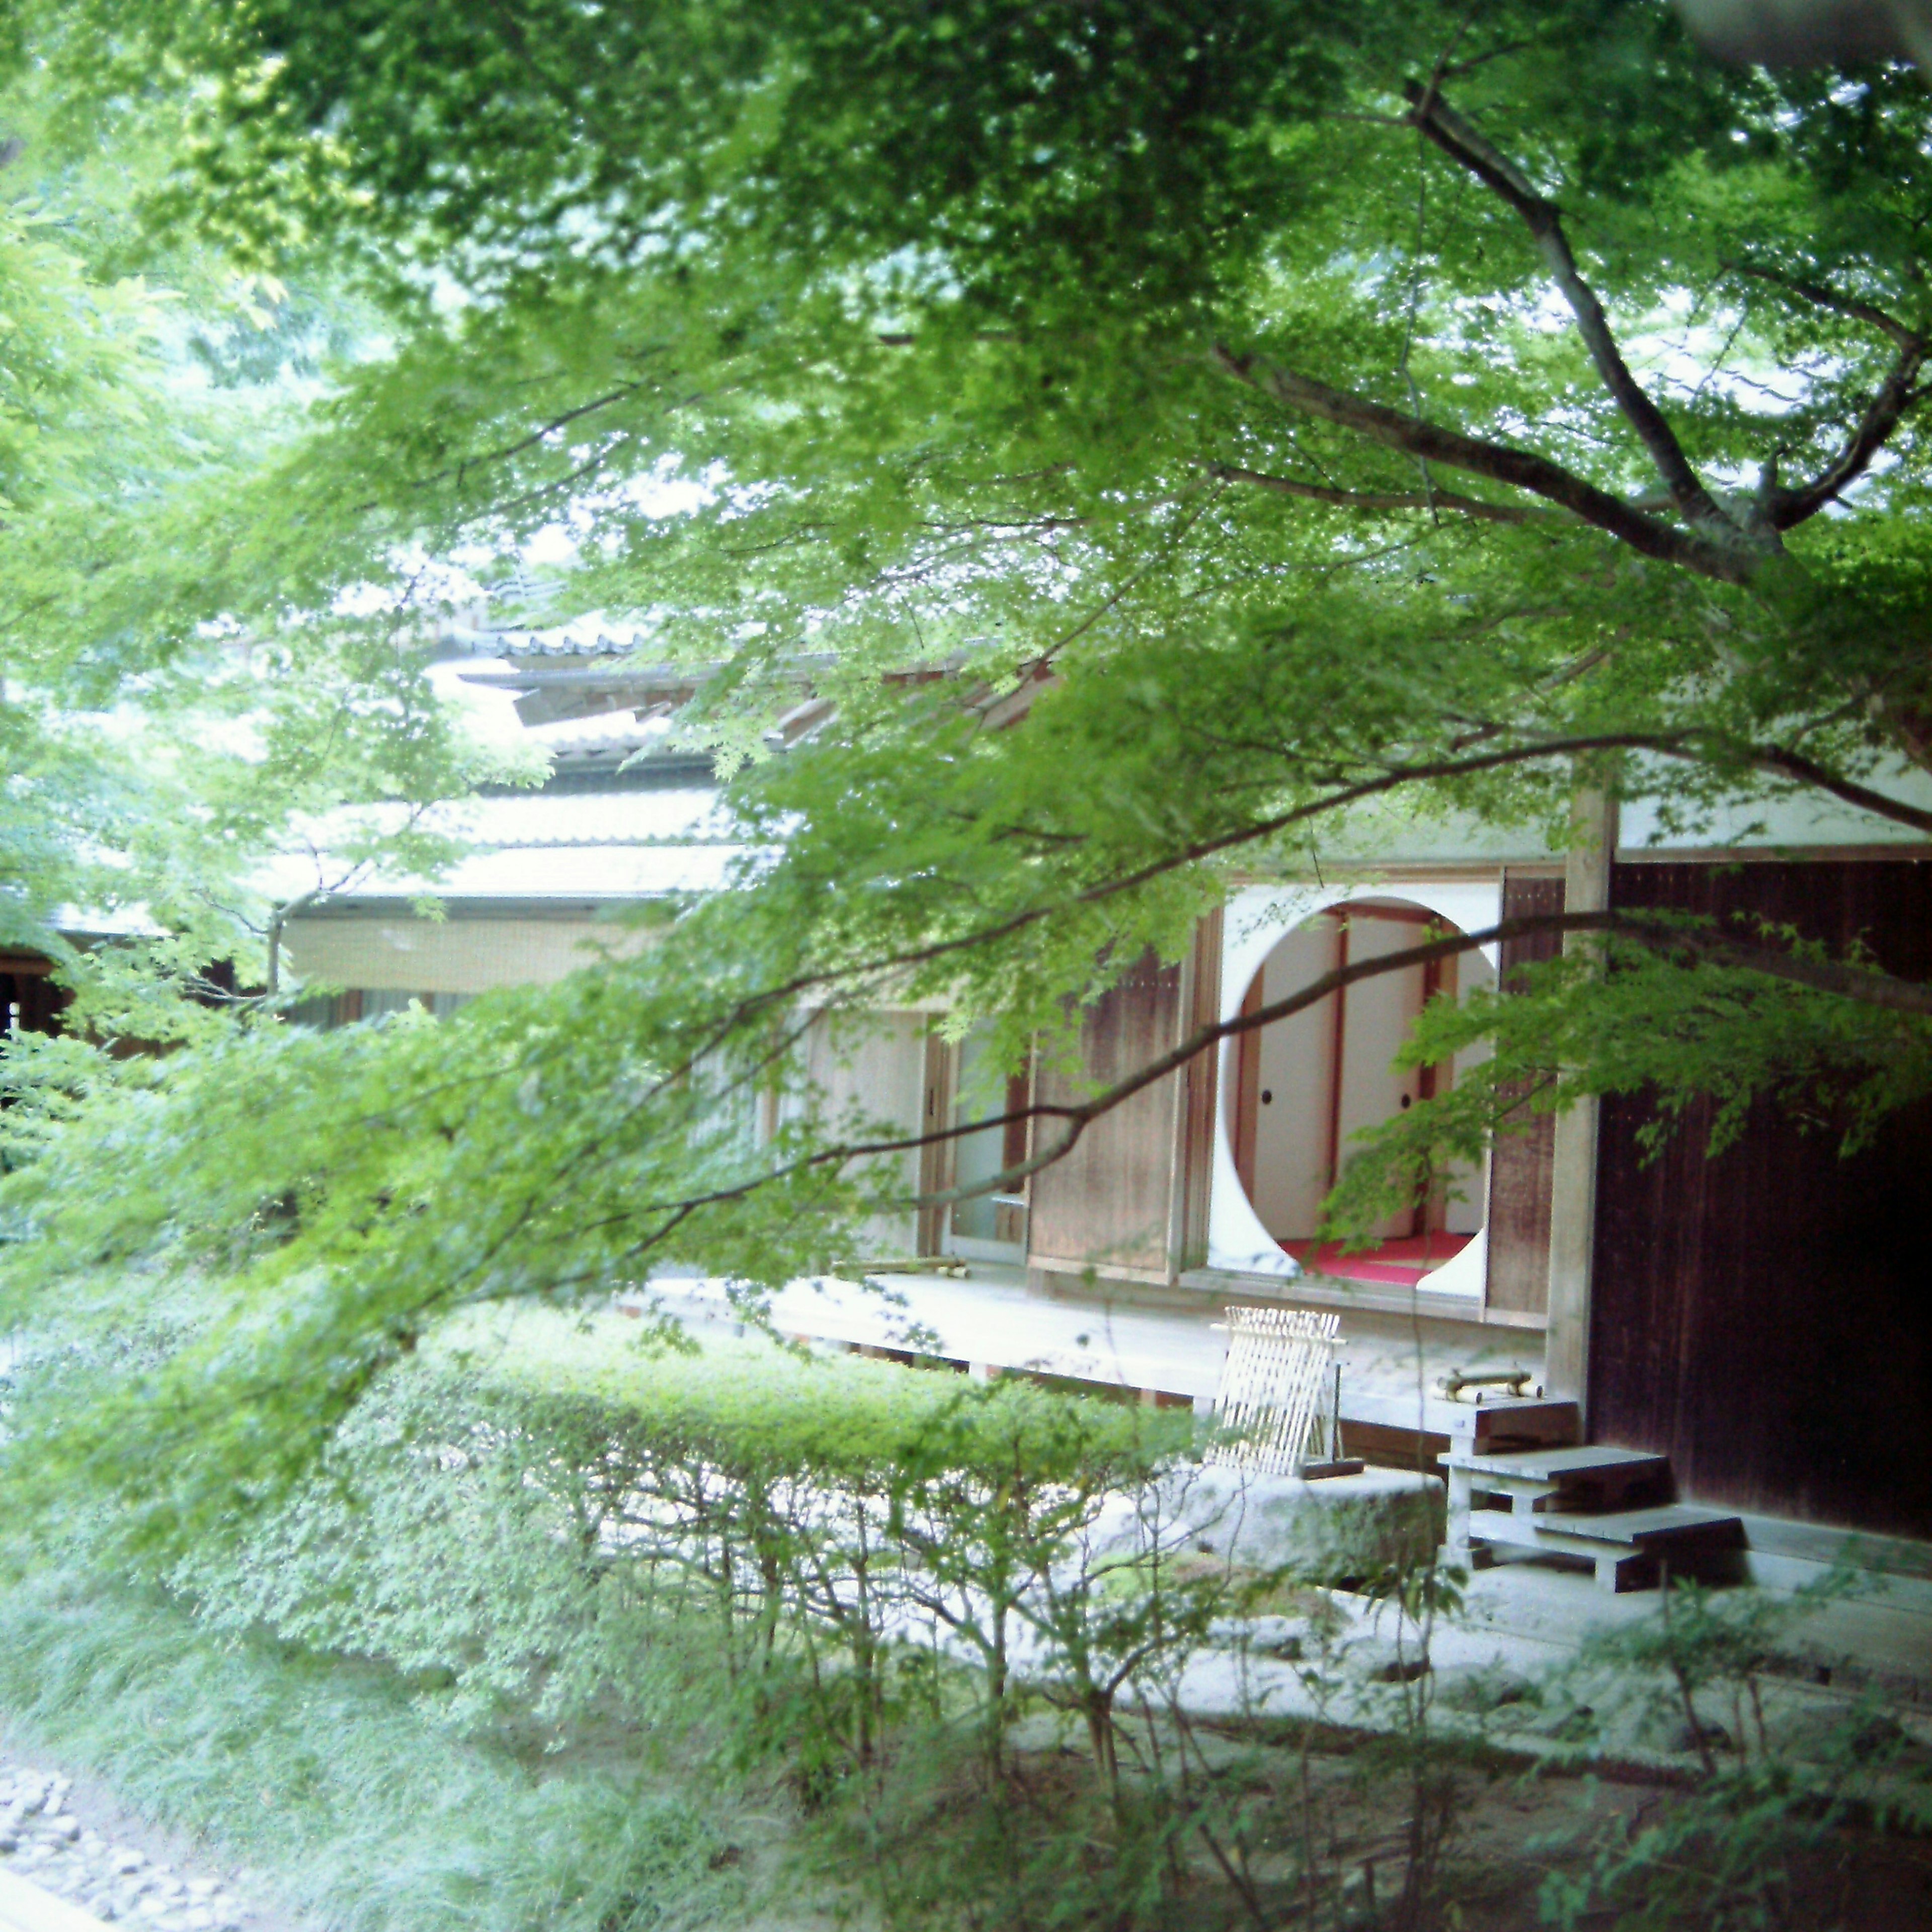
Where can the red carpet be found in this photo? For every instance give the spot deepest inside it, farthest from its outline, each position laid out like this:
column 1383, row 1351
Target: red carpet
column 1399, row 1263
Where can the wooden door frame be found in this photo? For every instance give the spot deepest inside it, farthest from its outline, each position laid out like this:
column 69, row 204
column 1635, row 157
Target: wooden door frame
column 939, row 1165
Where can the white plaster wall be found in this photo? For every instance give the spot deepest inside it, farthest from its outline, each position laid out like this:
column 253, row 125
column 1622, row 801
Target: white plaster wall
column 407, row 954
column 1389, row 833
column 1803, row 819
column 1291, row 1130
column 1379, row 1013
column 1255, row 921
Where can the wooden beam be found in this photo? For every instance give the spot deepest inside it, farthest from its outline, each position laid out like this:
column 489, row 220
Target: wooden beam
column 1247, row 1086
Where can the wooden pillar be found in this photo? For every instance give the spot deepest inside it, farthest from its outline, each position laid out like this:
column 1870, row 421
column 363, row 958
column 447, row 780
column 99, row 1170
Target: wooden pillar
column 935, row 1157
column 1572, row 1197
column 1517, row 1287
column 1190, row 1196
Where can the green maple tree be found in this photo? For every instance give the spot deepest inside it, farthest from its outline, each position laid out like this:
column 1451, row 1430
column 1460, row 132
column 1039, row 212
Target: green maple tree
column 1328, row 416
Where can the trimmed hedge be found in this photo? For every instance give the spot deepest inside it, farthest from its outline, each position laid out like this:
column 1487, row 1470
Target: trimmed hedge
column 841, row 1417
column 539, row 1517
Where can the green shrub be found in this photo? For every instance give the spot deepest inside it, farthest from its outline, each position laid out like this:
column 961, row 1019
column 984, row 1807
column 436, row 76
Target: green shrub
column 1730, row 1852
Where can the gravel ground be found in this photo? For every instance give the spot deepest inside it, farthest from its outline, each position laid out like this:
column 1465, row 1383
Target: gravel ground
column 53, row 1836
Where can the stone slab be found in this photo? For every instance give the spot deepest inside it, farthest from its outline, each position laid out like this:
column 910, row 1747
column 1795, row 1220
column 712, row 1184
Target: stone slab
column 1336, row 1526
column 26, row 1907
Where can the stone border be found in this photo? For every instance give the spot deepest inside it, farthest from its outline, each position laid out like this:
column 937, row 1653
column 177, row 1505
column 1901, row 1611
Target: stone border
column 57, row 1876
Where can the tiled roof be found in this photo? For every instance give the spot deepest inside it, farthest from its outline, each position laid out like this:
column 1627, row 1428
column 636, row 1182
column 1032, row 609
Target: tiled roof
column 574, row 872
column 624, row 815
column 533, row 820
column 590, row 636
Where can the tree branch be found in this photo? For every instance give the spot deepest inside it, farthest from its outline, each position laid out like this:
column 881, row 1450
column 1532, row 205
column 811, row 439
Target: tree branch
column 1794, row 765
column 1849, row 982
column 460, row 469
column 1378, row 500
column 1078, row 1116
column 1463, row 145
column 1819, row 296
column 848, row 981
column 1821, row 976
column 1521, row 468
column 1882, row 414
column 847, row 984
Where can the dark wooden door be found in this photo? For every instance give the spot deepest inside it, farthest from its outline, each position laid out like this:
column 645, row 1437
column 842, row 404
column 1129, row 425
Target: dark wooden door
column 29, row 997
column 1764, row 1316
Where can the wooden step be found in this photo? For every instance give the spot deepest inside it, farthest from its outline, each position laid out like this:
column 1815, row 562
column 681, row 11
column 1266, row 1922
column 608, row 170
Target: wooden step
column 1568, row 1479
column 1565, row 1478
column 1556, row 1465
column 1627, row 1547
column 1668, row 1523
column 1515, row 1422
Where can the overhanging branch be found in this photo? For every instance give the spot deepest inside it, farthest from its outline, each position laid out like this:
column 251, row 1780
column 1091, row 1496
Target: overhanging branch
column 1501, row 462
column 1867, row 989
column 1794, row 765
column 459, row 470
column 1882, row 414
column 1876, row 989
column 1378, row 500
column 852, row 984
column 1820, row 976
column 1442, row 125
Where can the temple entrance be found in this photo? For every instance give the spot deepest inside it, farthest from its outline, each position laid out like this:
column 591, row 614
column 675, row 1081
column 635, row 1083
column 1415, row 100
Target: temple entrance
column 1302, row 1090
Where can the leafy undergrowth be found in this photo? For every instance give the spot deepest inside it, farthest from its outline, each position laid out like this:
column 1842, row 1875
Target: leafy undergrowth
column 326, row 1774
column 562, row 1638
column 1285, row 1827
column 320, row 1773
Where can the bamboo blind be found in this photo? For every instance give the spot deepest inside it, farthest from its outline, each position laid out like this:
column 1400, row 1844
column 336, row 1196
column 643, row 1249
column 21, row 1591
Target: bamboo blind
column 1272, row 1384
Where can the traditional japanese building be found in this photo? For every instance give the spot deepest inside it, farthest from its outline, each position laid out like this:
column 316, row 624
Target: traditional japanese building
column 1758, row 1316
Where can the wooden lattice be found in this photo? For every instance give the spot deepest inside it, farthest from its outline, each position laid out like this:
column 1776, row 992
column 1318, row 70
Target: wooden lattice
column 1272, row 1385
